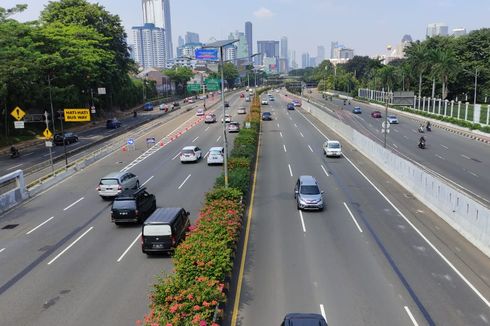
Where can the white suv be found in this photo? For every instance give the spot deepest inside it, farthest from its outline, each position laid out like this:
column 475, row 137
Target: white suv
column 216, row 155
column 116, row 182
column 190, row 154
column 332, row 148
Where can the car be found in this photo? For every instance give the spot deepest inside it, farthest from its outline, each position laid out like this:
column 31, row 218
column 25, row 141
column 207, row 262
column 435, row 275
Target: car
column 247, row 99
column 148, row 106
column 266, row 116
column 112, row 123
column 190, row 154
column 277, row 91
column 116, row 182
column 227, row 118
column 290, row 106
column 227, row 105
column 297, row 103
column 356, row 110
column 332, row 148
column 271, row 98
column 242, row 95
column 264, row 101
column 241, row 110
column 233, row 126
column 200, row 112
column 67, row 138
column 176, row 105
column 133, row 205
column 376, row 114
column 216, row 155
column 304, row 319
column 163, row 107
column 308, row 194
column 190, row 101
column 392, row 119
column 210, row 118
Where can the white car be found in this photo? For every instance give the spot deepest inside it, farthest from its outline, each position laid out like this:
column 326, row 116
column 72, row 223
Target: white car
column 392, row 119
column 264, row 101
column 210, row 118
column 241, row 110
column 190, row 101
column 233, row 127
column 216, row 155
column 190, row 154
column 200, row 112
column 332, row 148
column 227, row 118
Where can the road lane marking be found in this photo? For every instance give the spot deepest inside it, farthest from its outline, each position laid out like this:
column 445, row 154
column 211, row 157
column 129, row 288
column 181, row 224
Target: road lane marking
column 296, row 125
column 473, row 174
column 217, row 140
column 301, row 134
column 71, row 205
column 409, row 313
column 394, row 145
column 277, row 125
column 71, row 245
column 280, row 133
column 290, row 118
column 147, row 181
column 284, row 146
column 15, row 166
column 439, row 156
column 405, row 137
column 311, row 149
column 466, row 157
column 176, row 156
column 290, row 171
column 445, row 146
column 2, row 249
column 27, row 154
column 126, row 251
column 195, row 139
column 324, row 170
column 37, row 227
column 322, row 310
column 302, row 221
column 206, row 129
column 183, row 182
column 396, row 130
column 353, row 218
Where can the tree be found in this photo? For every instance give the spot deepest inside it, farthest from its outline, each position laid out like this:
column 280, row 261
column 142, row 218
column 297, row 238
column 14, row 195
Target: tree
column 417, row 57
column 6, row 13
column 180, row 76
column 230, row 73
column 445, row 66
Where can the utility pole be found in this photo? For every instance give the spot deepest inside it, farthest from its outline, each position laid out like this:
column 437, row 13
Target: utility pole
column 51, row 104
column 50, row 151
column 61, row 113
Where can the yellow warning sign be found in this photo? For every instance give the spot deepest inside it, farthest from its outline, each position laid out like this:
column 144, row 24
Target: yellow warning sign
column 47, row 133
column 76, row 115
column 17, row 113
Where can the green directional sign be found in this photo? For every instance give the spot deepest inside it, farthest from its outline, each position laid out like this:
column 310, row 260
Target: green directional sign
column 193, row 87
column 212, row 84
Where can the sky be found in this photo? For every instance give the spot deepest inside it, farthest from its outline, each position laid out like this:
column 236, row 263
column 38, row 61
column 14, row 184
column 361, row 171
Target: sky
column 367, row 26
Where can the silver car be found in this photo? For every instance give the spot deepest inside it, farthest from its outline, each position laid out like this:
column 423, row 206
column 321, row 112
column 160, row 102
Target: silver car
column 308, row 194
column 116, row 182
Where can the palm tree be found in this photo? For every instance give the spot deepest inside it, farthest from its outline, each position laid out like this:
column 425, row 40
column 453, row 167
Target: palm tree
column 417, row 55
column 445, row 66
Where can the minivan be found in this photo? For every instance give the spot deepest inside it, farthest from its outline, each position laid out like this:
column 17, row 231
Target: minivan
column 116, row 182
column 308, row 194
column 132, row 206
column 164, row 230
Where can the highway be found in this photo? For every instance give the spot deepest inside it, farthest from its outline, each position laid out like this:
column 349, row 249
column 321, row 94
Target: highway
column 374, row 256
column 462, row 161
column 64, row 263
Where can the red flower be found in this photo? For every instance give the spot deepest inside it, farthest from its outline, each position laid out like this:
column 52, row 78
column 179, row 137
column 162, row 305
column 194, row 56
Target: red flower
column 174, row 308
column 190, row 297
column 196, row 308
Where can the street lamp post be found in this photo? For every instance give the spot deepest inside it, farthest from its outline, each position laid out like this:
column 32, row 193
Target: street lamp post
column 51, row 103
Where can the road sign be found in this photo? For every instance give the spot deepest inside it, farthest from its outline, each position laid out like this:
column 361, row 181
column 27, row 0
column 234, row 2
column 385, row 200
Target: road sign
column 47, row 133
column 76, row 115
column 101, row 91
column 206, row 54
column 17, row 113
column 49, row 144
column 19, row 124
column 212, row 84
column 130, row 141
column 193, row 87
column 92, row 109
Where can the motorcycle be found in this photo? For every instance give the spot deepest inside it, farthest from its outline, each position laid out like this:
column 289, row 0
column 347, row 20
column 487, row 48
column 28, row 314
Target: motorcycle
column 421, row 129
column 422, row 143
column 429, row 128
column 14, row 154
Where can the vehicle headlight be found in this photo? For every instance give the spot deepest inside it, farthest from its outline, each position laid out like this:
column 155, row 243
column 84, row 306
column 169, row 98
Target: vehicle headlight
column 301, row 200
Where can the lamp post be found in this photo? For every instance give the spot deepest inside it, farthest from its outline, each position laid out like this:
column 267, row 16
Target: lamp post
column 220, row 45
column 51, row 102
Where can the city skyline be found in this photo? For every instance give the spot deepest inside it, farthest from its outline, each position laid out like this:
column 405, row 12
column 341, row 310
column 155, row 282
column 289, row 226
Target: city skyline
column 369, row 33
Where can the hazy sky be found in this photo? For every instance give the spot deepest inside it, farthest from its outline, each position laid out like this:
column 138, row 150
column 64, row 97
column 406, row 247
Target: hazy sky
column 367, row 26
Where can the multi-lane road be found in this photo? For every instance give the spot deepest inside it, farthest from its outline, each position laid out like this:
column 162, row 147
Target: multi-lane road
column 64, row 262
column 374, row 256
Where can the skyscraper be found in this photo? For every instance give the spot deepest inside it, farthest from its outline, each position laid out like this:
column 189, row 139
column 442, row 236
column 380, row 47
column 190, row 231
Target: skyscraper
column 459, row 32
column 149, row 46
column 248, row 36
column 191, row 37
column 284, row 47
column 157, row 12
column 320, row 54
column 168, row 29
column 305, row 60
column 269, row 49
column 440, row 29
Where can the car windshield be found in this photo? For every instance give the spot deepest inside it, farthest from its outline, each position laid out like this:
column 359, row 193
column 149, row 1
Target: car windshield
column 215, row 152
column 109, row 182
column 309, row 190
column 334, row 145
column 124, row 204
column 391, row 117
column 188, row 151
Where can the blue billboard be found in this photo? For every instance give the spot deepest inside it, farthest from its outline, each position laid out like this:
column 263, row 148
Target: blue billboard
column 206, row 54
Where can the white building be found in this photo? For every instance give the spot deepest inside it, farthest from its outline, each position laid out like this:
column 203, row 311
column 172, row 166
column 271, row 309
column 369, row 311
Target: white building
column 149, row 46
column 157, row 12
column 230, row 53
column 437, row 29
column 459, row 31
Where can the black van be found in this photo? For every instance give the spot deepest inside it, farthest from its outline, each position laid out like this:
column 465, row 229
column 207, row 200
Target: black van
column 133, row 205
column 164, row 229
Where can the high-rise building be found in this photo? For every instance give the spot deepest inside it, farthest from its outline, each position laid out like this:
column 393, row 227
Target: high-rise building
column 268, row 49
column 242, row 46
column 333, row 46
column 181, row 41
column 284, row 47
column 283, row 66
column 459, row 32
column 149, row 46
column 312, row 62
column 248, row 36
column 345, row 53
column 157, row 12
column 191, row 37
column 437, row 29
column 305, row 60
column 320, row 54
column 230, row 53
column 189, row 49
column 169, row 45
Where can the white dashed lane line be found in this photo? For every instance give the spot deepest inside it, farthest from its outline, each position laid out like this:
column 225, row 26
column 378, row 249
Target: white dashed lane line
column 15, row 166
column 290, row 170
column 302, row 221
column 217, row 140
column 409, row 313
column 37, row 227
column 324, row 170
column 444, row 146
column 284, row 146
column 466, row 157
column 147, row 181
column 126, row 251
column 301, row 134
column 71, row 205
column 183, row 182
column 439, row 156
column 280, row 133
column 195, row 139
column 176, row 155
column 311, row 149
column 2, row 249
column 71, row 245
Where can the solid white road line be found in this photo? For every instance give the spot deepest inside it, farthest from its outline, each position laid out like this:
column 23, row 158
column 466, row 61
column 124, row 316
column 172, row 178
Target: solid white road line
column 444, row 146
column 71, row 205
column 217, row 140
column 126, row 251
column 2, row 249
column 322, row 310
column 466, row 157
column 71, row 245
column 301, row 134
column 277, row 125
column 409, row 313
column 311, row 149
column 15, row 166
column 176, row 156
column 302, row 221
column 146, row 181
column 394, row 145
column 195, row 139
column 353, row 218
column 290, row 171
column 280, row 133
column 184, row 181
column 37, row 227
column 324, row 170
column 439, row 156
column 284, row 146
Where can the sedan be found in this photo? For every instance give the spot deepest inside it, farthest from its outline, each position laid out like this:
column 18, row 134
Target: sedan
column 210, row 118
column 376, row 114
column 227, row 118
column 233, row 127
column 392, row 119
column 264, row 101
column 266, row 116
column 200, row 112
column 241, row 110
column 357, row 110
column 67, row 138
column 190, row 154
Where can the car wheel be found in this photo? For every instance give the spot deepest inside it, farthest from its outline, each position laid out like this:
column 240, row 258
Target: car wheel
column 137, row 185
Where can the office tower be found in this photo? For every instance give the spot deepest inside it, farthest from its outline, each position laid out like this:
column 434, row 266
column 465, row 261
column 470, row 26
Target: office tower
column 230, row 53
column 242, row 46
column 305, row 60
column 157, row 12
column 168, row 29
column 312, row 62
column 284, row 47
column 181, row 41
column 345, row 53
column 268, row 49
column 320, row 54
column 149, row 46
column 333, row 46
column 283, row 66
column 459, row 32
column 440, row 29
column 248, row 36
column 191, row 37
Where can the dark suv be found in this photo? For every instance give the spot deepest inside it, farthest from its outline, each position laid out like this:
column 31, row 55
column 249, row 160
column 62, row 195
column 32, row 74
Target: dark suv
column 67, row 138
column 133, row 205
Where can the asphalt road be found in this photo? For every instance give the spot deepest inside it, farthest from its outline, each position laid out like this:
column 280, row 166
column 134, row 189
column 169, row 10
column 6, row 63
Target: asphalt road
column 462, row 161
column 370, row 258
column 65, row 263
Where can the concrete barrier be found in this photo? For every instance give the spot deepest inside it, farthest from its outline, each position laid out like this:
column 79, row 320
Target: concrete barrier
column 463, row 213
column 16, row 195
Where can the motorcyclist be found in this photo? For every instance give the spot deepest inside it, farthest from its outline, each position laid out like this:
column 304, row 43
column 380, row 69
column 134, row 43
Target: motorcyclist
column 421, row 128
column 428, row 126
column 422, row 142
column 14, row 151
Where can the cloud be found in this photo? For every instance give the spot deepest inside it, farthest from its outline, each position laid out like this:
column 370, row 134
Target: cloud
column 263, row 13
